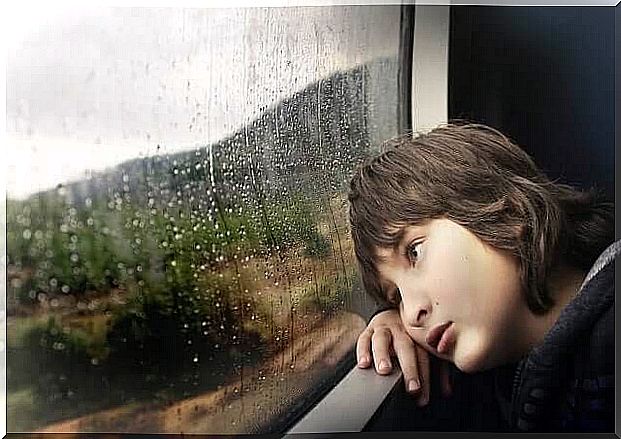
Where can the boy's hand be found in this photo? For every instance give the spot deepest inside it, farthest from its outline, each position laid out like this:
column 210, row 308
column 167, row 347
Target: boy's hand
column 385, row 336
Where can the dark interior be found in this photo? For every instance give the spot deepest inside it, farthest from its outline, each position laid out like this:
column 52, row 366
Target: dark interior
column 545, row 77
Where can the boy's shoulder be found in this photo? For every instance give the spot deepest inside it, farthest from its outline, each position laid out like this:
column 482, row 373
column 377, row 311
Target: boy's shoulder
column 605, row 260
column 596, row 361
column 589, row 401
column 590, row 396
column 595, row 313
column 575, row 359
column 586, row 314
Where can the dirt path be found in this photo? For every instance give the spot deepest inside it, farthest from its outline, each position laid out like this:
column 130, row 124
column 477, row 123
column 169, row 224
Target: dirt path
column 241, row 407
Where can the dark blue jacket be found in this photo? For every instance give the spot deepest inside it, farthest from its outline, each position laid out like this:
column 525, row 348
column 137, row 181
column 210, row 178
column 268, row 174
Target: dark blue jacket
column 567, row 382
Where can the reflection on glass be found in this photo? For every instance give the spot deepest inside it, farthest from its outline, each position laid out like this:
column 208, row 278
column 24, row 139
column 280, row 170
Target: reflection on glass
column 200, row 289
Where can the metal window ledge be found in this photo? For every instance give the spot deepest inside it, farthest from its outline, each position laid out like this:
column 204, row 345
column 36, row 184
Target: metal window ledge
column 351, row 404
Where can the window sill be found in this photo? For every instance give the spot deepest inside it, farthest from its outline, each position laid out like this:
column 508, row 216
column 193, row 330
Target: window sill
column 362, row 392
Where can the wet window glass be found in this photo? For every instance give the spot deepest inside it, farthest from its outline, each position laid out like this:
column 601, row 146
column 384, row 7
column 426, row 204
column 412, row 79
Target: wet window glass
column 178, row 248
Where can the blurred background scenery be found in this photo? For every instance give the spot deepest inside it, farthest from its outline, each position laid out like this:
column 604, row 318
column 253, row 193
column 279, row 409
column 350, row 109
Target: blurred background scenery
column 178, row 248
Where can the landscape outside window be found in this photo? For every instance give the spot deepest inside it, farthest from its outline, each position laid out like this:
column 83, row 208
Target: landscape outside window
column 177, row 240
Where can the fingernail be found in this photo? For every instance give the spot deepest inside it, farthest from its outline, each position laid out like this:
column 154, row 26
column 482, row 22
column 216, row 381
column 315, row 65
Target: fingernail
column 363, row 361
column 413, row 385
column 384, row 365
column 422, row 402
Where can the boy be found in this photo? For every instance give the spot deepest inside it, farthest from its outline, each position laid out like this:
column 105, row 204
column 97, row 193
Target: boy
column 485, row 263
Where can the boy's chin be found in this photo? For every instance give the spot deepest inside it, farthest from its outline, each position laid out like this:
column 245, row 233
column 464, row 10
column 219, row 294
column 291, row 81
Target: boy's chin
column 470, row 362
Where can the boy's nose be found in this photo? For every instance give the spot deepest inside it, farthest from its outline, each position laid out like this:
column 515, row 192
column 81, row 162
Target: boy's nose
column 414, row 314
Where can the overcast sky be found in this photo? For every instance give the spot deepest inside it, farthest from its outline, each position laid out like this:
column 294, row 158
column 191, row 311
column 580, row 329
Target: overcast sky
column 87, row 89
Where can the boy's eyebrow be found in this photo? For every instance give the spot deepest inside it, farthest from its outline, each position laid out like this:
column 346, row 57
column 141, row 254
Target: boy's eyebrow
column 406, row 231
column 395, row 248
column 398, row 246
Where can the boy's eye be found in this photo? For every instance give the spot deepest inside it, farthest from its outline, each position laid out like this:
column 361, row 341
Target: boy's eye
column 413, row 252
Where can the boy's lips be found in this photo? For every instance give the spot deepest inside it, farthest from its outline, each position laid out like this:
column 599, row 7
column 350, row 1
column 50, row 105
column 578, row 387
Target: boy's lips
column 438, row 337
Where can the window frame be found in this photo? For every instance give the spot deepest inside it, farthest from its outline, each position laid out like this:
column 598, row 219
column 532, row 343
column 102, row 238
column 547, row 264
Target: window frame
column 424, row 29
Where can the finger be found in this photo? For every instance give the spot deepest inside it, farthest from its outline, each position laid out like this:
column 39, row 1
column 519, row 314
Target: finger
column 380, row 345
column 423, row 367
column 445, row 379
column 406, row 353
column 363, row 353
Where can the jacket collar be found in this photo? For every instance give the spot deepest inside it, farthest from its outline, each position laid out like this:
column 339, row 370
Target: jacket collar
column 543, row 372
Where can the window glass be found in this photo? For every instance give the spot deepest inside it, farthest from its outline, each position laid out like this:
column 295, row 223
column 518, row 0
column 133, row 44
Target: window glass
column 178, row 247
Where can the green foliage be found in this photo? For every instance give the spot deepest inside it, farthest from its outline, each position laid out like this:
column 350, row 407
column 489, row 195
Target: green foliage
column 145, row 334
column 68, row 250
column 177, row 334
column 184, row 318
column 295, row 222
column 316, row 245
column 71, row 249
column 330, row 295
column 57, row 341
column 25, row 290
column 53, row 359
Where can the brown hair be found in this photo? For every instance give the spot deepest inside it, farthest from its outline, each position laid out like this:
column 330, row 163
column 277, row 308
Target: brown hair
column 475, row 176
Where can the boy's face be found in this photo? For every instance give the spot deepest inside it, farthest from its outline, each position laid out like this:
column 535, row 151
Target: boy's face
column 446, row 278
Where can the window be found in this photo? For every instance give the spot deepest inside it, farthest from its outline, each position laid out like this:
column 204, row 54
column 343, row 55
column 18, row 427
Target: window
column 178, row 249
